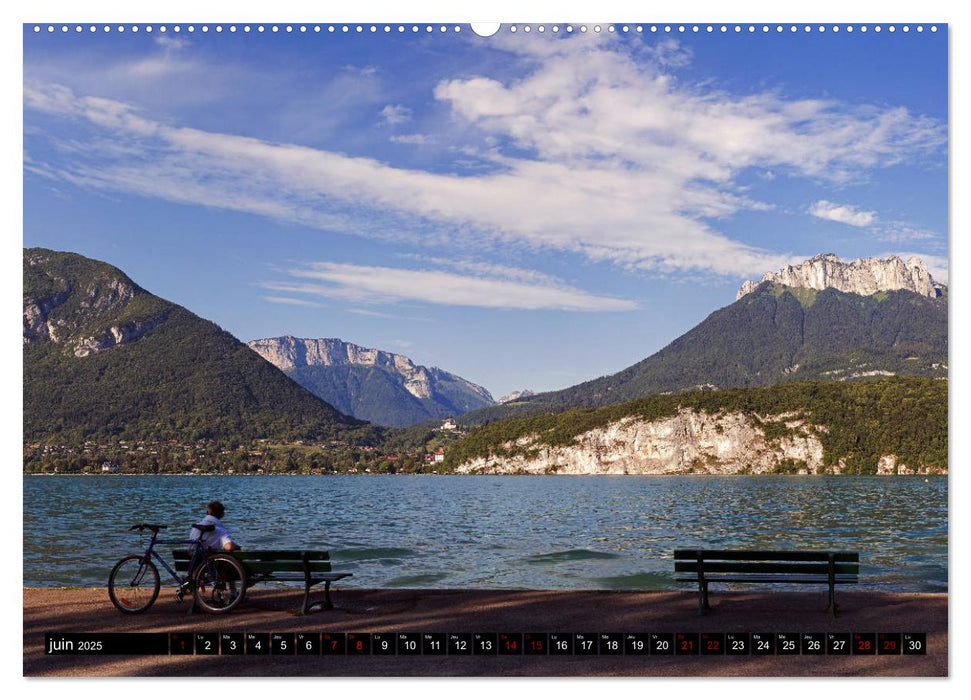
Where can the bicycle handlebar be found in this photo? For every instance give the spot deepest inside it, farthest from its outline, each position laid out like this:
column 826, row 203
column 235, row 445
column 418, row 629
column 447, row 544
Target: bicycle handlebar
column 146, row 526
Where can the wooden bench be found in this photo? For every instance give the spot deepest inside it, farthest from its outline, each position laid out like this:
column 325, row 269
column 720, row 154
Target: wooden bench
column 309, row 567
column 740, row 566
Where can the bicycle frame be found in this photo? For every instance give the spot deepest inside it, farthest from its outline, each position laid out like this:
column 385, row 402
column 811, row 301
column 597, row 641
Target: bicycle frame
column 198, row 555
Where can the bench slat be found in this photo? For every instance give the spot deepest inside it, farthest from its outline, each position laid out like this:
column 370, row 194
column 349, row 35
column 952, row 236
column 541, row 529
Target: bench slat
column 300, row 577
column 757, row 578
column 281, row 555
column 296, row 554
column 764, row 555
column 268, row 561
column 763, row 568
column 268, row 567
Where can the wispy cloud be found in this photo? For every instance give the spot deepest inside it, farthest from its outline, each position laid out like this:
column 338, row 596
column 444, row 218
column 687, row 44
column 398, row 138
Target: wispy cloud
column 411, row 139
column 591, row 150
column 843, row 213
column 889, row 230
column 294, row 302
column 396, row 316
column 387, row 285
column 171, row 43
column 396, row 114
column 486, row 269
column 899, row 232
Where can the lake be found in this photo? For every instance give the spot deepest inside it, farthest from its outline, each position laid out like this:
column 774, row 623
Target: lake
column 546, row 532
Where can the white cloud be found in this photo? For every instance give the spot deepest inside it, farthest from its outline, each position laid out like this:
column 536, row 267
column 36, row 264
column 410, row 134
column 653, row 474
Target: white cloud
column 396, row 316
column 486, row 269
column 900, row 231
column 411, row 139
column 384, row 285
column 843, row 213
column 163, row 72
column 171, row 43
column 893, row 231
column 294, row 301
column 585, row 102
column 396, row 114
column 590, row 152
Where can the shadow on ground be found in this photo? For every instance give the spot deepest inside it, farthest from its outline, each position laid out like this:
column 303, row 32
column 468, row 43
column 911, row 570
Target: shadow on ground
column 398, row 610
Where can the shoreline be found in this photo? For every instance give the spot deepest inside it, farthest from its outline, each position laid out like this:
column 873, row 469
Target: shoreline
column 270, row 610
column 524, row 474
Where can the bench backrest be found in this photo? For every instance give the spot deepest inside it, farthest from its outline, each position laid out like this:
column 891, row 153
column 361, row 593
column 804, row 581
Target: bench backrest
column 722, row 561
column 270, row 561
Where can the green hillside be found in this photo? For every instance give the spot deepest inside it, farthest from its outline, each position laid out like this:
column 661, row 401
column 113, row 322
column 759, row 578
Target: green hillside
column 773, row 335
column 105, row 360
column 860, row 421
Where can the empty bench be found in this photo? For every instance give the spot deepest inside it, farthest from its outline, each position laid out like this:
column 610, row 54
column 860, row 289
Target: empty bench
column 705, row 566
column 309, row 567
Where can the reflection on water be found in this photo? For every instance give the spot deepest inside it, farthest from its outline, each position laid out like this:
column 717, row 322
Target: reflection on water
column 502, row 531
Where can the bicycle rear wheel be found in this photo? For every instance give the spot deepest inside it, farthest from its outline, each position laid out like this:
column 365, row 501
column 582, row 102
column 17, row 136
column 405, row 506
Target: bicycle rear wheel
column 133, row 584
column 220, row 583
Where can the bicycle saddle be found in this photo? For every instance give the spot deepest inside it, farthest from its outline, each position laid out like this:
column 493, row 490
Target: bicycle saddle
column 146, row 526
column 204, row 528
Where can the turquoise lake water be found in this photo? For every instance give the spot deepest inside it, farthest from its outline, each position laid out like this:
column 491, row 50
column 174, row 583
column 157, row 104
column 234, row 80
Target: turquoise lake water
column 549, row 532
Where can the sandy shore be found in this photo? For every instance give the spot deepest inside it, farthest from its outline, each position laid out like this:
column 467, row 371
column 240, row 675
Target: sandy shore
column 398, row 610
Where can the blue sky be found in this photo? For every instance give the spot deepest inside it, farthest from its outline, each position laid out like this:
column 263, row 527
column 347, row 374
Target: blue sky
column 528, row 210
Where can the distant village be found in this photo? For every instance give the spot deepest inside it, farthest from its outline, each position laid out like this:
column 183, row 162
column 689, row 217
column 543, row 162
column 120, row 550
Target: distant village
column 258, row 457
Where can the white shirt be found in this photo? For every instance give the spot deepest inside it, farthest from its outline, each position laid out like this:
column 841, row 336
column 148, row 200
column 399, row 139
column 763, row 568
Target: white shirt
column 217, row 539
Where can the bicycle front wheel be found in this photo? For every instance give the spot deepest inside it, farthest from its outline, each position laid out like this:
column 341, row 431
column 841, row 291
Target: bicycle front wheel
column 134, row 584
column 220, row 582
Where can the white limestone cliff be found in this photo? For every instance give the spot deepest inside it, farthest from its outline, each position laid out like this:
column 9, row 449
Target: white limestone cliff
column 288, row 352
column 688, row 443
column 865, row 276
column 116, row 335
column 97, row 298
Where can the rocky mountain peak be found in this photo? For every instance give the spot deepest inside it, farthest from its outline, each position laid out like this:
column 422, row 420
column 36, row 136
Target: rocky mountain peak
column 516, row 395
column 84, row 305
column 865, row 276
column 288, row 352
column 295, row 356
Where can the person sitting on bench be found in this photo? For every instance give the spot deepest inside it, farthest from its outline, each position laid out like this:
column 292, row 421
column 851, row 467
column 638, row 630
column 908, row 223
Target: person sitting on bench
column 218, row 539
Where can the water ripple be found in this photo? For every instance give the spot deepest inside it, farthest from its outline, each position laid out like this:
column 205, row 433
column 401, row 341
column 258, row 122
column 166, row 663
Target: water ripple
column 500, row 532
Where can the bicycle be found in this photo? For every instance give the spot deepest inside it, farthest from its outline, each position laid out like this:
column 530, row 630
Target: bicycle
column 134, row 582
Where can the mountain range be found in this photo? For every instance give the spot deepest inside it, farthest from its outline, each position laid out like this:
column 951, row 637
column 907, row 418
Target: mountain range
column 373, row 385
column 776, row 333
column 104, row 359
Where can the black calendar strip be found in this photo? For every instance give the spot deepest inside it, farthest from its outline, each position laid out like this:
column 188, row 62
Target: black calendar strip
column 488, row 643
